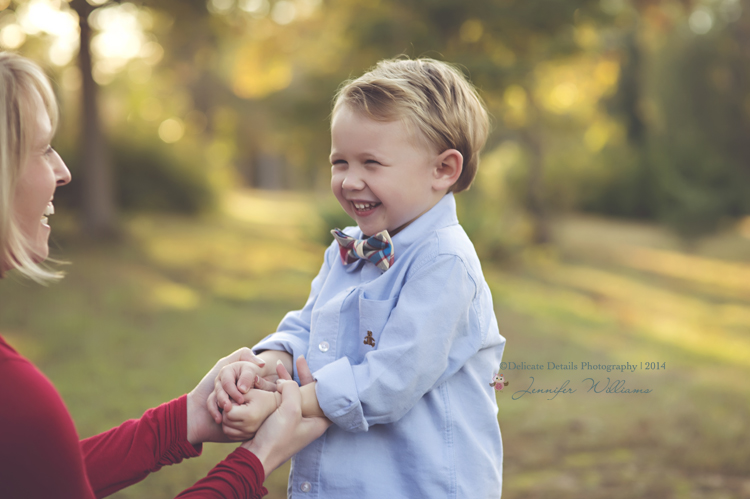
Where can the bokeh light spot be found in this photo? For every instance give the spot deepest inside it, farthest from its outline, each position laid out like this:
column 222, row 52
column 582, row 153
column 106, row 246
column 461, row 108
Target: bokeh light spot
column 12, row 36
column 220, row 6
column 283, row 12
column 257, row 8
column 258, row 73
column 171, row 130
column 701, row 21
column 471, row 31
column 515, row 97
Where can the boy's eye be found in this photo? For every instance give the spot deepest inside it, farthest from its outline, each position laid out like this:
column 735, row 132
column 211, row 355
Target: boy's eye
column 372, row 162
column 339, row 162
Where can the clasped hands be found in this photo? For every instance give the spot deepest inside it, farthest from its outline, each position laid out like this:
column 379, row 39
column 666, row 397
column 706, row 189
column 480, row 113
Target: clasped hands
column 245, row 395
column 289, row 426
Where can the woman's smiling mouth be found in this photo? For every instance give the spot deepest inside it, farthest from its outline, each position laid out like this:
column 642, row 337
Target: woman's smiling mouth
column 50, row 210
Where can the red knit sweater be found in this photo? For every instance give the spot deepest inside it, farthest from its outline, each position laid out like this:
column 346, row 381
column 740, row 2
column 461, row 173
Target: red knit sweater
column 41, row 456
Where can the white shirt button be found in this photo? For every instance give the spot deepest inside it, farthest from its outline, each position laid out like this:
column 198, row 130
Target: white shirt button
column 323, row 347
column 305, row 487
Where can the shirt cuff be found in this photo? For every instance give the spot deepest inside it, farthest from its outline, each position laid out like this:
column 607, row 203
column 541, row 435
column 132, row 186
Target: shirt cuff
column 338, row 397
column 284, row 342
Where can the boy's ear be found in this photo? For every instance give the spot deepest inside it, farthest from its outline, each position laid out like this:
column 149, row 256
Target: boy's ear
column 448, row 168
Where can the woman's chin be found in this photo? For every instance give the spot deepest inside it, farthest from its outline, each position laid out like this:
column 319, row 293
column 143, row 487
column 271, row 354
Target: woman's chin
column 40, row 251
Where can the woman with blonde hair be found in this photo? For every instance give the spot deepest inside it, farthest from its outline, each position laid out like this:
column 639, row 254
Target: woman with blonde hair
column 40, row 454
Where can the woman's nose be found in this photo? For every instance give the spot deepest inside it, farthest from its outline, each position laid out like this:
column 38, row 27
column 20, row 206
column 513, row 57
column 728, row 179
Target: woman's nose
column 62, row 174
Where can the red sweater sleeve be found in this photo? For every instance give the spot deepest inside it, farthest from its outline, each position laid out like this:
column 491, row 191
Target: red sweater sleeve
column 39, row 452
column 127, row 453
column 41, row 457
column 239, row 476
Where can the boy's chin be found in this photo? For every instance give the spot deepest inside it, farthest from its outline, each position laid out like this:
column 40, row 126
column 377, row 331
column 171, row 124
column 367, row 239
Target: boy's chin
column 368, row 231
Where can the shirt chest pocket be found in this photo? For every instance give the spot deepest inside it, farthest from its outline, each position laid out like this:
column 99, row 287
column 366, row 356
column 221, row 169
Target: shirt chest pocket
column 373, row 316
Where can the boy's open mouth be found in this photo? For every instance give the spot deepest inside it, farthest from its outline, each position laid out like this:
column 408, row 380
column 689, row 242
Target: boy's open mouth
column 364, row 208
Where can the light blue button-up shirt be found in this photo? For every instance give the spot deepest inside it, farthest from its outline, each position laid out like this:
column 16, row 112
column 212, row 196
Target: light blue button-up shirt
column 404, row 360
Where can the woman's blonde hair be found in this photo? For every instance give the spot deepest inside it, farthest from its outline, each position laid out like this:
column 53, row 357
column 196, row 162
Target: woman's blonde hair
column 20, row 78
column 432, row 97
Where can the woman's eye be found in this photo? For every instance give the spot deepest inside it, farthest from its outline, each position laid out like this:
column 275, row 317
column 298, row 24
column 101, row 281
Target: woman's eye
column 48, row 151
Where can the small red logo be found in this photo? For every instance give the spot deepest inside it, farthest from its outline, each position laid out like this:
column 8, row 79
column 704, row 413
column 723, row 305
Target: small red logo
column 498, row 381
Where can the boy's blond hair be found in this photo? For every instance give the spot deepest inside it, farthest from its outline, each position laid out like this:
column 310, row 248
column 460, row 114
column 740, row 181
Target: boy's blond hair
column 20, row 78
column 430, row 96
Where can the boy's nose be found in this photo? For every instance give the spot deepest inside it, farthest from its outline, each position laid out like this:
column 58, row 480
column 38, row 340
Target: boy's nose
column 353, row 182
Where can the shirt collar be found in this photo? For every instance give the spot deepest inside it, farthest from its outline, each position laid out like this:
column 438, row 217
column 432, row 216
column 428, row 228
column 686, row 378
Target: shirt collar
column 443, row 214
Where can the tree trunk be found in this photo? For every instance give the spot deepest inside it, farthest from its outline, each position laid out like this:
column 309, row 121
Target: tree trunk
column 535, row 188
column 98, row 186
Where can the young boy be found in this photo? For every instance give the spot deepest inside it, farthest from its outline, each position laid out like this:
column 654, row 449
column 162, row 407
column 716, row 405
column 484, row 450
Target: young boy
column 399, row 329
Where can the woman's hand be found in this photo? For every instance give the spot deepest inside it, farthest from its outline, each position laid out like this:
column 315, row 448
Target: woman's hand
column 201, row 426
column 285, row 432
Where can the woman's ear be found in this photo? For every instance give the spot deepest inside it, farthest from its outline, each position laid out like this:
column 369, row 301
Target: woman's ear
column 448, row 168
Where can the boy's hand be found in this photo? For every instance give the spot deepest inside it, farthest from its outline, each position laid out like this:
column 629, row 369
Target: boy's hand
column 241, row 422
column 201, row 425
column 237, row 379
column 231, row 384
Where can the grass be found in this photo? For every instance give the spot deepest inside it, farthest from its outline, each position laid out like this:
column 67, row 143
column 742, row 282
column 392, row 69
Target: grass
column 137, row 323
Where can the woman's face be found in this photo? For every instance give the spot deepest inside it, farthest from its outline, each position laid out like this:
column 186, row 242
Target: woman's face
column 42, row 173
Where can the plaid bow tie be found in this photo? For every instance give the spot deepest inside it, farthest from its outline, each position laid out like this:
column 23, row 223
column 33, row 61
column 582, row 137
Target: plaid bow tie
column 377, row 249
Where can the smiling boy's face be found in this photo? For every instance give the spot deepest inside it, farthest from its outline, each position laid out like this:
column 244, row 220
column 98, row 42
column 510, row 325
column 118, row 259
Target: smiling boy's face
column 382, row 177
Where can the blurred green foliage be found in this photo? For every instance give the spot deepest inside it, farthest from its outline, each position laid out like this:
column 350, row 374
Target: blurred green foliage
column 688, row 166
column 630, row 108
column 148, row 177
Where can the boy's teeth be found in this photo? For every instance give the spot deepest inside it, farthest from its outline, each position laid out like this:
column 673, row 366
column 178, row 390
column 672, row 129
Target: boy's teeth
column 361, row 206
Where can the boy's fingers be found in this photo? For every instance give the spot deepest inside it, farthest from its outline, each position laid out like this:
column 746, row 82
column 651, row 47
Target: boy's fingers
column 264, row 384
column 303, row 370
column 229, row 379
column 245, row 378
column 223, row 400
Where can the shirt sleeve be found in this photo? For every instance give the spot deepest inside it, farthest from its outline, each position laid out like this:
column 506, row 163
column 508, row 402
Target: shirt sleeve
column 434, row 328
column 293, row 334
